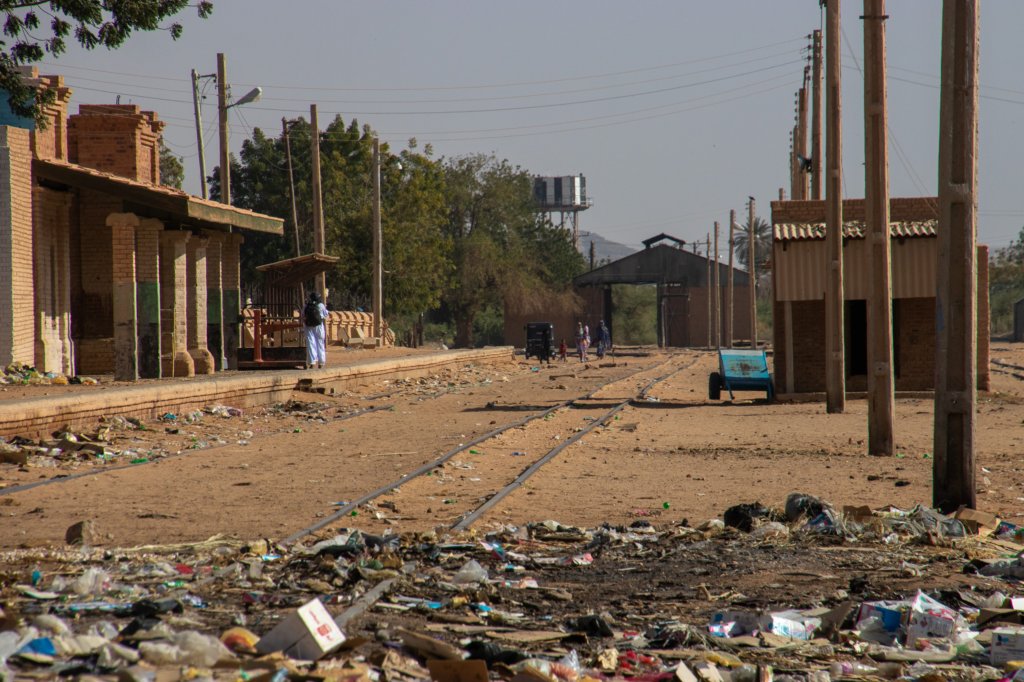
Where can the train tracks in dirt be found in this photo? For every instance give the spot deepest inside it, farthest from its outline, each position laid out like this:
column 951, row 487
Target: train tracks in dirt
column 607, row 400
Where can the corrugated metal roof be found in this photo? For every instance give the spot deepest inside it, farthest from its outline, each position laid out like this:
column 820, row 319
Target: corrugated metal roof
column 785, row 232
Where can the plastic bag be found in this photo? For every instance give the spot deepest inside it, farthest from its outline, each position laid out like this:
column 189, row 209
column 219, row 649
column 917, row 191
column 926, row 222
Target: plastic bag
column 471, row 572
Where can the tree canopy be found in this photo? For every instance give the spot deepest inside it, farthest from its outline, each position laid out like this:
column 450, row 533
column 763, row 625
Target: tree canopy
column 34, row 28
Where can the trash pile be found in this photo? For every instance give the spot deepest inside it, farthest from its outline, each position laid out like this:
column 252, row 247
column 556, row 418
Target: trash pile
column 822, row 594
column 26, row 375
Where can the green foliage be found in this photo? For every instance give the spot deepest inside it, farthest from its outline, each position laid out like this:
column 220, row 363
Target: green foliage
column 34, row 28
column 636, row 315
column 504, row 252
column 1005, row 284
column 762, row 243
column 172, row 173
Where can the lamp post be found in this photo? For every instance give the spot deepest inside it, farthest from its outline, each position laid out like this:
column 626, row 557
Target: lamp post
column 222, row 110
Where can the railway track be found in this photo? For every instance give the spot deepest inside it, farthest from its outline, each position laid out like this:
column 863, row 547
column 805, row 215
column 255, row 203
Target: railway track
column 474, row 515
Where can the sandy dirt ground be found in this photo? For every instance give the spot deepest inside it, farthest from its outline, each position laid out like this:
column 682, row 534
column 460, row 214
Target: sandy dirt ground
column 674, row 455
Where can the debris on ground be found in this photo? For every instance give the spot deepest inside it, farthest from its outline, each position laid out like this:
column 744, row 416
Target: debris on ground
column 826, row 594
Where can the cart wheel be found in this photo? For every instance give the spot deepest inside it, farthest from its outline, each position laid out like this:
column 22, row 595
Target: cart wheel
column 715, row 386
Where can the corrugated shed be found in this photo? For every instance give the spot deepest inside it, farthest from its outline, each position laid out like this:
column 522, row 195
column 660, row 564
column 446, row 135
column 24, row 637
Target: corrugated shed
column 854, row 230
column 799, row 269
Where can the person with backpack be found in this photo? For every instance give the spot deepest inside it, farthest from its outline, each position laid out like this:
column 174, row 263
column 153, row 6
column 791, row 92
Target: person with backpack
column 313, row 317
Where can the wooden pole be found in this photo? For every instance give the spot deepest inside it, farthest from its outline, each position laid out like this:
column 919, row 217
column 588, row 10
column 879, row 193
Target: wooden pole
column 881, row 399
column 222, row 119
column 956, row 322
column 729, row 319
column 816, row 164
column 717, row 317
column 378, row 302
column 802, row 180
column 835, row 348
column 319, row 242
column 710, row 289
column 752, row 272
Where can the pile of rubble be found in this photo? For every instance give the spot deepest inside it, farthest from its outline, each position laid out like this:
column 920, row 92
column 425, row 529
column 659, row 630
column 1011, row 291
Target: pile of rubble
column 803, row 593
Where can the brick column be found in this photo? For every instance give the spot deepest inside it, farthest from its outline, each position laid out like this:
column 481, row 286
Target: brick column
column 176, row 362
column 17, row 324
column 147, row 290
column 196, row 282
column 126, row 351
column 231, row 282
column 215, row 299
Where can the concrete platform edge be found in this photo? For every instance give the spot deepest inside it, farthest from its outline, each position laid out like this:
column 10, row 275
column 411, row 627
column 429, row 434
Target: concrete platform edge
column 38, row 416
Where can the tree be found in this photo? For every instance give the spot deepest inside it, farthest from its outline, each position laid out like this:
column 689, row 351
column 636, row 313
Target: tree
column 762, row 242
column 1005, row 283
column 504, row 252
column 172, row 173
column 34, row 28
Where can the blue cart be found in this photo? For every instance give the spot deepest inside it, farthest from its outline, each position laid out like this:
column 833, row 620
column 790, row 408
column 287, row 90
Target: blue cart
column 741, row 370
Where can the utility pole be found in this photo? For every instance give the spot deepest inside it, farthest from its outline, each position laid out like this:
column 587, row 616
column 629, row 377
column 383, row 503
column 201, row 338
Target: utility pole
column 593, row 254
column 752, row 272
column 199, row 133
column 291, row 183
column 710, row 288
column 804, row 181
column 816, row 117
column 835, row 351
column 729, row 326
column 718, row 295
column 957, row 333
column 222, row 117
column 881, row 398
column 318, row 199
column 794, row 163
column 378, row 305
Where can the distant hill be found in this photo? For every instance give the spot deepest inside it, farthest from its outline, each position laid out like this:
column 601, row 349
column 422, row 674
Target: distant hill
column 605, row 250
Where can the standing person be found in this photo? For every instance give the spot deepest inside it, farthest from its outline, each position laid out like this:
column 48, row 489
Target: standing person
column 562, row 351
column 586, row 342
column 313, row 317
column 579, row 340
column 604, row 340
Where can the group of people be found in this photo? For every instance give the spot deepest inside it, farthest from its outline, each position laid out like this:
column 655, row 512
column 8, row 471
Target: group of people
column 583, row 342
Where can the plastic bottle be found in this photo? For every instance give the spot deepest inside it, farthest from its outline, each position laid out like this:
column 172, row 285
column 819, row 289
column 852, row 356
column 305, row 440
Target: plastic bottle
column 850, row 669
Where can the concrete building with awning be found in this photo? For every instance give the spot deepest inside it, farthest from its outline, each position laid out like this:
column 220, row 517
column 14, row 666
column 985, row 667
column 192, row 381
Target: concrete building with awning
column 103, row 269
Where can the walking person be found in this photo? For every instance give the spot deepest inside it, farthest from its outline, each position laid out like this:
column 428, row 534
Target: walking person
column 313, row 317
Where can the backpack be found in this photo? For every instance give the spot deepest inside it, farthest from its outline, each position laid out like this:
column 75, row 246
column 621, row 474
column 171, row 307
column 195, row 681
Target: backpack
column 311, row 314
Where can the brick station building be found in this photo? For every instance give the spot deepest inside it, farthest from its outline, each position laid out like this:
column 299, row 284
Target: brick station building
column 102, row 269
column 798, row 286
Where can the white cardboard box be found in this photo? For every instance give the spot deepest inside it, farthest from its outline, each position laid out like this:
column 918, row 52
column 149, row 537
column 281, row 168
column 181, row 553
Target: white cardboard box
column 1007, row 645
column 307, row 634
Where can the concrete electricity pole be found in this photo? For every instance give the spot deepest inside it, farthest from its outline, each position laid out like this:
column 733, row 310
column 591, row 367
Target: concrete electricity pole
column 717, row 316
column 199, row 133
column 956, row 340
column 222, row 117
column 835, row 351
column 752, row 271
column 816, row 117
column 801, row 148
column 730, row 331
column 881, row 398
column 319, row 242
column 378, row 305
column 291, row 184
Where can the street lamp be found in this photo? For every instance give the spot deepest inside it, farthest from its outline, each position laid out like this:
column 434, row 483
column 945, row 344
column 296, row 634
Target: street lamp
column 222, row 110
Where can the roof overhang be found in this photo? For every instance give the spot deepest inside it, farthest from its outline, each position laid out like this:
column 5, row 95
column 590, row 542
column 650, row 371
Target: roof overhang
column 157, row 201
column 294, row 271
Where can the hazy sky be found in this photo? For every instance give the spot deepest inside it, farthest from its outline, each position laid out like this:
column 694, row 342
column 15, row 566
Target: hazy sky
column 675, row 111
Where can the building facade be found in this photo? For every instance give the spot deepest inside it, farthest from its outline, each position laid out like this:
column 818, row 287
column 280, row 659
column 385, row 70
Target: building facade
column 798, row 278
column 103, row 269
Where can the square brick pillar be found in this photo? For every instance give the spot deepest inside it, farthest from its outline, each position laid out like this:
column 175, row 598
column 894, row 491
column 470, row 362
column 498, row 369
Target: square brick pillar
column 231, row 282
column 17, row 324
column 215, row 299
column 147, row 292
column 52, row 281
column 202, row 360
column 126, row 349
column 176, row 362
